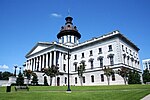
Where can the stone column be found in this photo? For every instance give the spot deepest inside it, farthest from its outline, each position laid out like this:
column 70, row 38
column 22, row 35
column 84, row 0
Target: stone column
column 31, row 64
column 50, row 59
column 43, row 61
column 39, row 63
column 59, row 61
column 54, row 58
column 47, row 60
column 62, row 61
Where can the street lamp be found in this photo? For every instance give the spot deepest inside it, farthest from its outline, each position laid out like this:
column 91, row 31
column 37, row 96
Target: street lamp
column 15, row 70
column 68, row 90
column 20, row 70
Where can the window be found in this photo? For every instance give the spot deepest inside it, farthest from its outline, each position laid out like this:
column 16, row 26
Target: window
column 69, row 38
column 128, row 60
column 75, row 57
column 65, row 80
column 111, row 60
column 62, row 39
column 100, row 50
column 64, row 67
column 82, row 55
column 75, row 65
column 110, row 48
column 131, row 53
column 122, row 48
column 91, row 53
column 68, row 25
column 91, row 64
column 113, row 77
column 83, row 79
column 74, row 39
column 92, row 78
column 102, row 77
column 83, row 63
column 126, row 50
column 124, row 57
column 134, row 54
column 75, row 80
column 146, row 65
column 64, row 57
column 101, row 62
column 149, row 64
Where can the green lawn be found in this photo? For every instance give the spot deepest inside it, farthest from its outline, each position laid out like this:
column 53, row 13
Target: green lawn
column 117, row 92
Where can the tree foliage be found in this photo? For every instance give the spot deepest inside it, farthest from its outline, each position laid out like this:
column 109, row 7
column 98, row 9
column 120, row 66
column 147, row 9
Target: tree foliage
column 51, row 72
column 28, row 74
column 134, row 77
column 20, row 79
column 1, row 76
column 34, row 79
column 108, row 72
column 124, row 73
column 81, row 70
column 5, row 75
column 146, row 76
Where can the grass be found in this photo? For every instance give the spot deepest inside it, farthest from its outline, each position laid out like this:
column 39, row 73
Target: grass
column 117, row 92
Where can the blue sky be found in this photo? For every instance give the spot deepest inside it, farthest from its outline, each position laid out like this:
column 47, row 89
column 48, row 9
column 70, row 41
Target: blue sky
column 23, row 23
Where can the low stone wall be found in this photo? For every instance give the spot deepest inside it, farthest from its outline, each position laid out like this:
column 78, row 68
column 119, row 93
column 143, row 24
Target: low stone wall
column 3, row 82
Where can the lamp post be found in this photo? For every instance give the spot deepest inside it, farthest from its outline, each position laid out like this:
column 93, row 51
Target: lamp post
column 20, row 70
column 15, row 71
column 68, row 90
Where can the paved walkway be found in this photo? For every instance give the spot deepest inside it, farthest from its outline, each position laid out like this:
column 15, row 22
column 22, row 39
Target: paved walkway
column 146, row 97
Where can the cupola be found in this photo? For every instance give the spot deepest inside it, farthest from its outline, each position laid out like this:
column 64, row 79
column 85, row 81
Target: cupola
column 69, row 34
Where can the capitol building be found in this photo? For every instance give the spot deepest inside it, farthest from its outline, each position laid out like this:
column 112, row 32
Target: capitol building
column 112, row 49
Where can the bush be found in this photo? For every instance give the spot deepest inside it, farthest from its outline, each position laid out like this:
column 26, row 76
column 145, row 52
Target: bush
column 45, row 81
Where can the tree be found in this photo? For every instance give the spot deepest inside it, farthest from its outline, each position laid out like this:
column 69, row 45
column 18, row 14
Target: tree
column 5, row 75
column 81, row 70
column 20, row 79
column 45, row 81
column 0, row 75
column 146, row 76
column 124, row 73
column 134, row 77
column 28, row 74
column 51, row 72
column 108, row 72
column 34, row 79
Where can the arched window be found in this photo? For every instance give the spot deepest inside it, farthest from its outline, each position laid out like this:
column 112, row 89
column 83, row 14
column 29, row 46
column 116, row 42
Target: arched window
column 111, row 58
column 102, row 77
column 83, row 79
column 92, row 78
column 113, row 77
column 65, row 80
column 75, row 80
column 100, row 58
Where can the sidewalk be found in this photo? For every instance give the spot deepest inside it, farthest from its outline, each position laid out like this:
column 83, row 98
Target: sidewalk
column 146, row 97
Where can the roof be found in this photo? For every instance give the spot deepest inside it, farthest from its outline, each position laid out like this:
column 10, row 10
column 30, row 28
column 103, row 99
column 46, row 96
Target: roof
column 114, row 34
column 106, row 37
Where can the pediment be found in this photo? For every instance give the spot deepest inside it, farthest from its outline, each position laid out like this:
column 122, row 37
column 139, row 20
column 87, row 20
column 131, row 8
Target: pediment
column 38, row 47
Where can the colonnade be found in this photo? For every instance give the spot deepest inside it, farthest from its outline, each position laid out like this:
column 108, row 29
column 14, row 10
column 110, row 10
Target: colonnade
column 45, row 60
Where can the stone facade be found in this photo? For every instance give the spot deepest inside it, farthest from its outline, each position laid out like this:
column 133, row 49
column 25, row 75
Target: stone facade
column 146, row 64
column 112, row 49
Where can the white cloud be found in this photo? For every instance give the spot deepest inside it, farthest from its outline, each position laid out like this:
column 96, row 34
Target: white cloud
column 56, row 15
column 4, row 67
